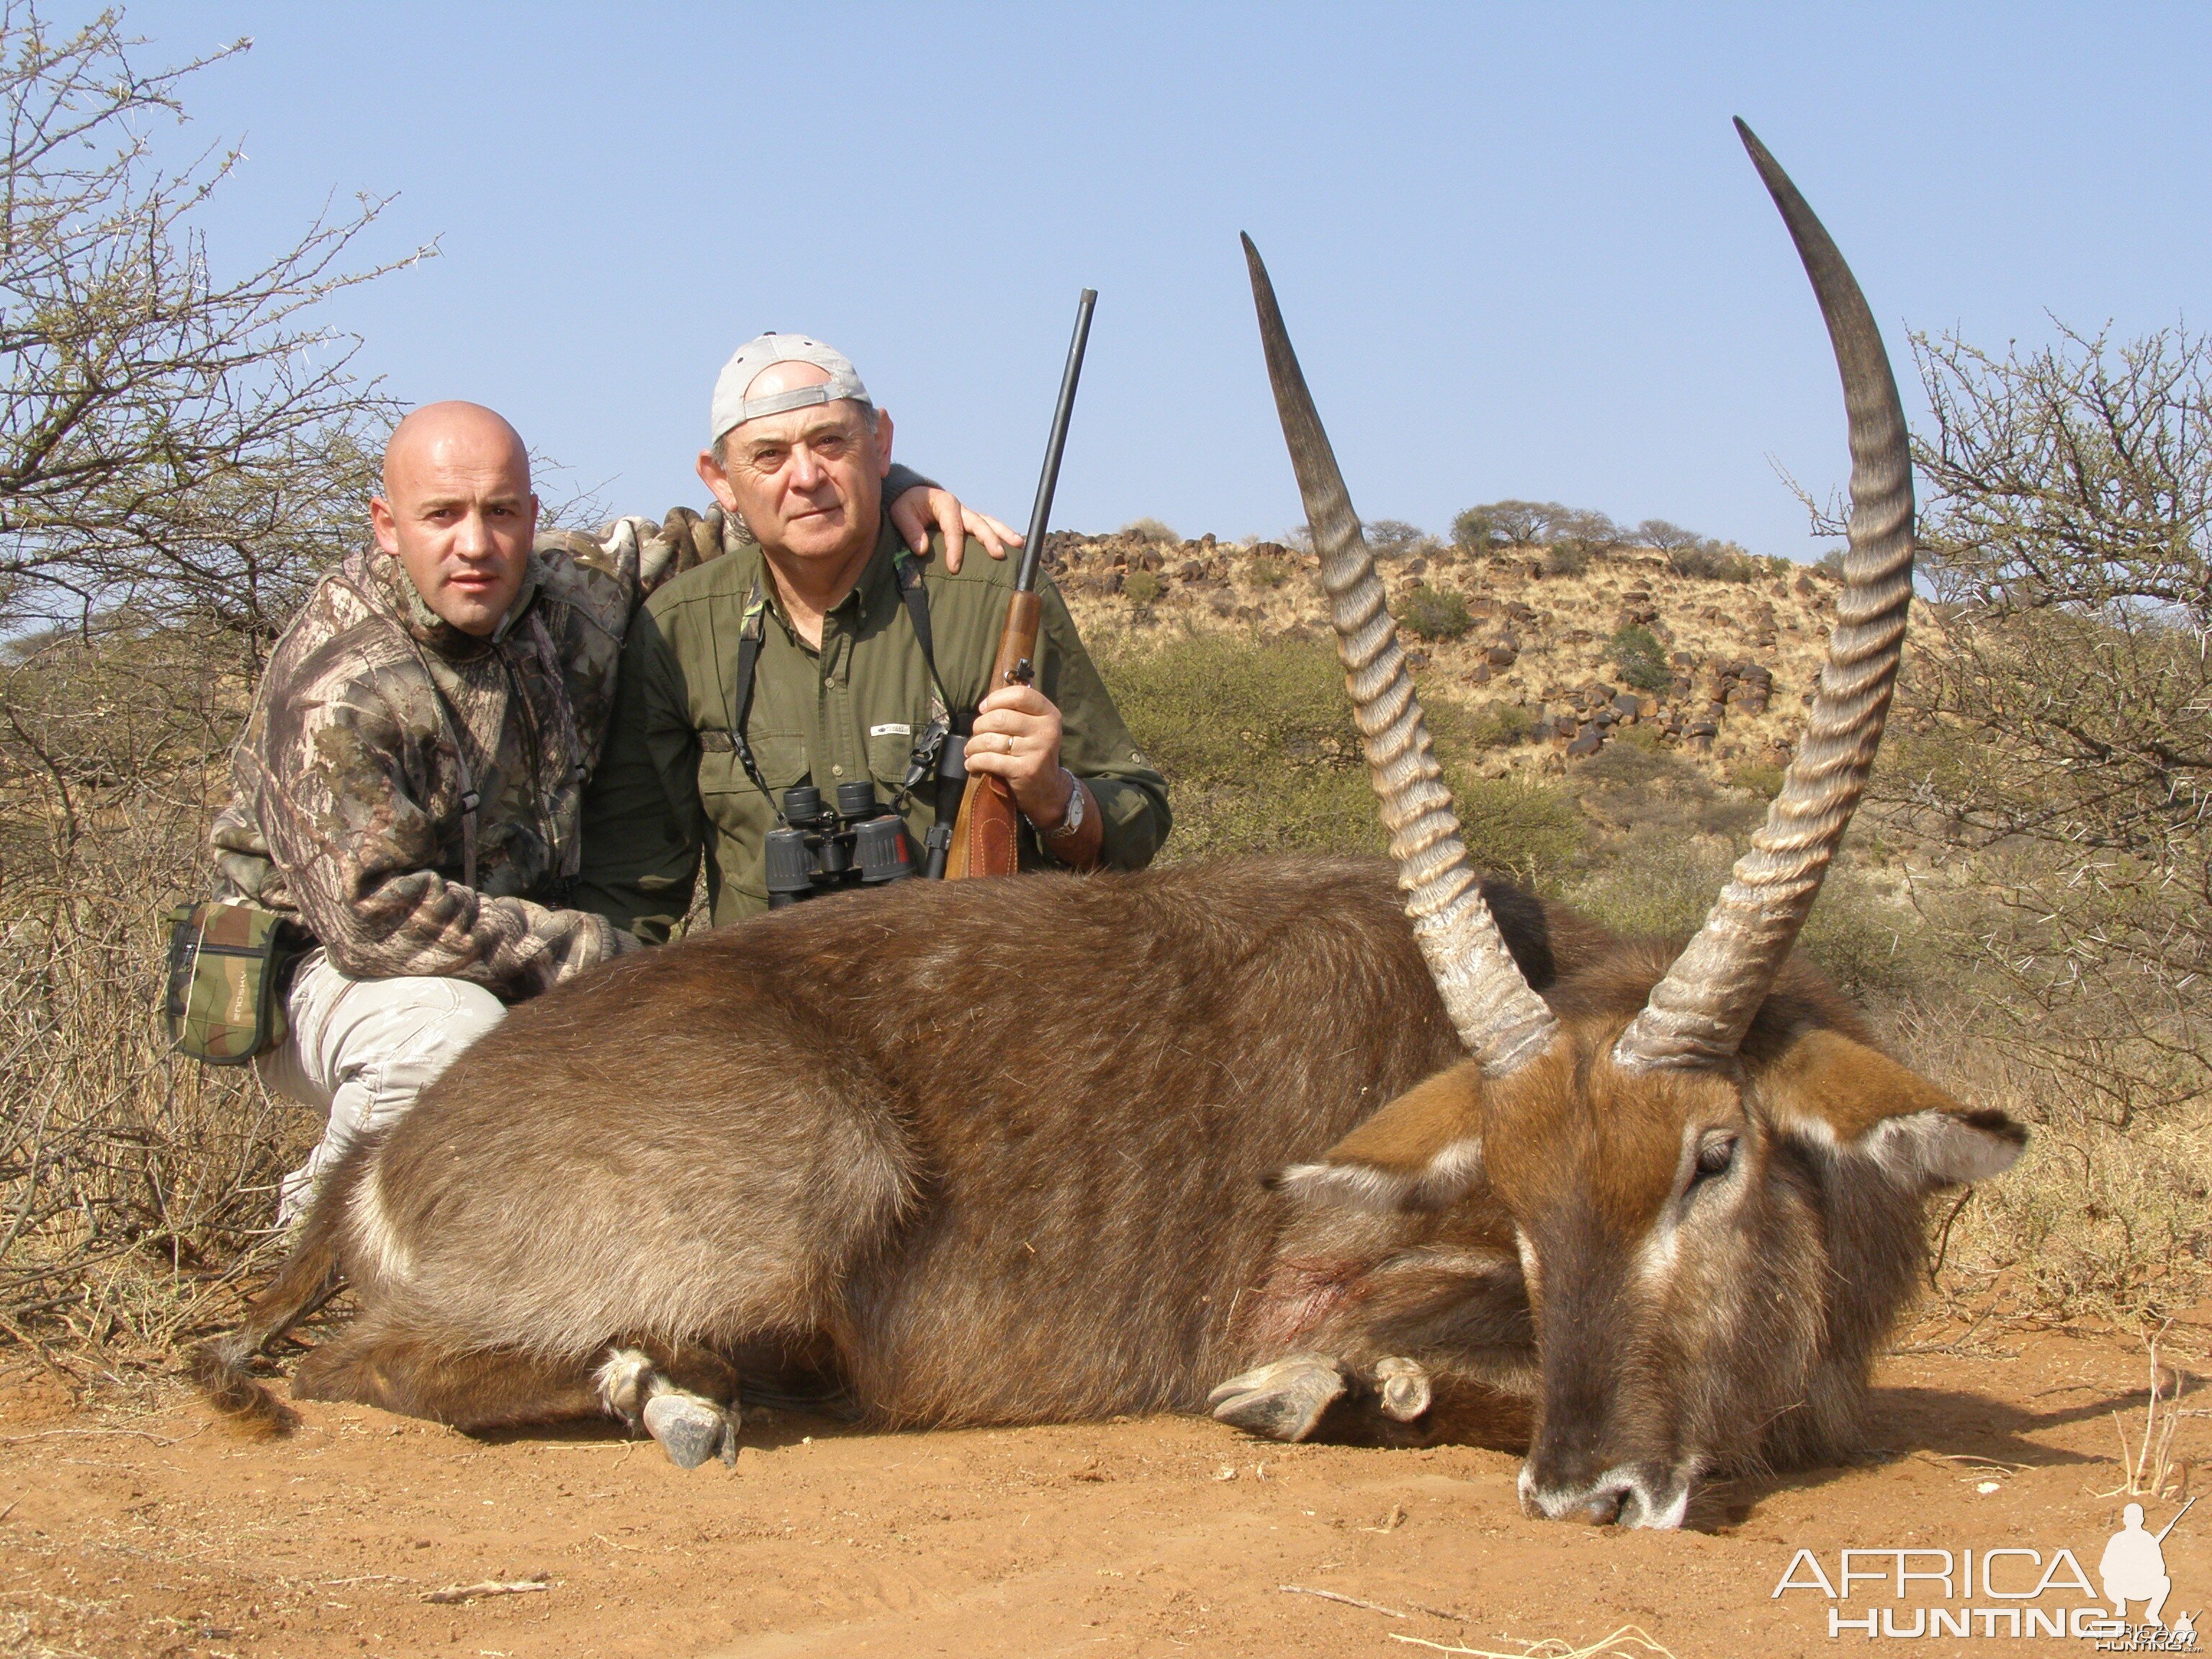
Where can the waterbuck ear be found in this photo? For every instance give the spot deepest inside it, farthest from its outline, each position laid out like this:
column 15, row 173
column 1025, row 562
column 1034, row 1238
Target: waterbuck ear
column 1422, row 1151
column 1845, row 1094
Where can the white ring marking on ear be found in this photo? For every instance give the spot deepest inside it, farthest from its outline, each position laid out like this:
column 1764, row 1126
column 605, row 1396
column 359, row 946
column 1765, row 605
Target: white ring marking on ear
column 1942, row 1148
column 1446, row 1178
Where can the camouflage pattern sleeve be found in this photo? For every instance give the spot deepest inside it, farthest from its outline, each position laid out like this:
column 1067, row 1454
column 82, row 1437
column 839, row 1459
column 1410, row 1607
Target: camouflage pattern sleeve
column 347, row 749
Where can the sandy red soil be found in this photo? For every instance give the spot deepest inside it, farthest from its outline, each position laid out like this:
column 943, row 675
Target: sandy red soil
column 150, row 1530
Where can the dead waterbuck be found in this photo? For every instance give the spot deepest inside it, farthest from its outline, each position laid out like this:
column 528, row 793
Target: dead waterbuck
column 1054, row 1148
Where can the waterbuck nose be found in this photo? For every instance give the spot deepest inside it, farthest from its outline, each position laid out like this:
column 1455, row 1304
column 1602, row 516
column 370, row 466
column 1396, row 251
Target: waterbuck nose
column 1600, row 1508
column 1602, row 1503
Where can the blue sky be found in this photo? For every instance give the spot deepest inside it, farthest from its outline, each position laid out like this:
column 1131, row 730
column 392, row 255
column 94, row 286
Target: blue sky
column 1518, row 245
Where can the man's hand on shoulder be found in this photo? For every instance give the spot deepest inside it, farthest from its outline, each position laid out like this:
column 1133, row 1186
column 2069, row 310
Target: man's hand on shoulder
column 615, row 549
column 924, row 506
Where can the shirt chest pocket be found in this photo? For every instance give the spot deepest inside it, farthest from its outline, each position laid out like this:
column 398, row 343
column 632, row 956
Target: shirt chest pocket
column 891, row 748
column 727, row 793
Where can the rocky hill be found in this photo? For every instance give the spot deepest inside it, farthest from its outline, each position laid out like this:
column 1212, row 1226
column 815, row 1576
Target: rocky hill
column 1544, row 657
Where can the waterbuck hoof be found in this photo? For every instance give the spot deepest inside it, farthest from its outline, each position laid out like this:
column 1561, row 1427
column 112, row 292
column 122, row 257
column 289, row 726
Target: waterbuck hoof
column 1404, row 1385
column 1282, row 1401
column 691, row 1429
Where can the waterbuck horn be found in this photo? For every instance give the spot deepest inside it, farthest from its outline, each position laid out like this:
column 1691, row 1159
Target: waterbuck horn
column 1698, row 1013
column 1502, row 1021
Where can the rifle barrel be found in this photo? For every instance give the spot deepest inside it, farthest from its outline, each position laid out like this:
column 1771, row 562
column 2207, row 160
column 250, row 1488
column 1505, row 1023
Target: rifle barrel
column 1041, row 514
column 2176, row 1521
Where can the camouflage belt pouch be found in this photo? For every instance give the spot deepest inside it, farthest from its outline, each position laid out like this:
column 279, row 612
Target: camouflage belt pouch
column 225, row 1002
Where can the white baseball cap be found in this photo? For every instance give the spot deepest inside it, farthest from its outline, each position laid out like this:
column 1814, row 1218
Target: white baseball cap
column 731, row 405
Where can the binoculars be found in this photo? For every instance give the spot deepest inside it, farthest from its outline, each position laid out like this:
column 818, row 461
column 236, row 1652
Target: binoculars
column 861, row 843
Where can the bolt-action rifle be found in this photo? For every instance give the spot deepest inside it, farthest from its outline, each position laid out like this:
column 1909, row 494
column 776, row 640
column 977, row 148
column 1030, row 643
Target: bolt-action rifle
column 987, row 834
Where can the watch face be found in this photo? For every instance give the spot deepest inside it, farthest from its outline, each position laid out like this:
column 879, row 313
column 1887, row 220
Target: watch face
column 1073, row 821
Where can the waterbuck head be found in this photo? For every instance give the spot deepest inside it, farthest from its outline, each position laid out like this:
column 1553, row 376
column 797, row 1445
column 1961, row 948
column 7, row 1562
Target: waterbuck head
column 1712, row 1178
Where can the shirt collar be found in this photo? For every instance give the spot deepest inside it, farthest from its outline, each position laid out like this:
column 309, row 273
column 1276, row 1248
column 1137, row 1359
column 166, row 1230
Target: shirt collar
column 878, row 579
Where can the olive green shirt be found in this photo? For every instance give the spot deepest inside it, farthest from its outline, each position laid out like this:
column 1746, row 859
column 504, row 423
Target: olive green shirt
column 671, row 786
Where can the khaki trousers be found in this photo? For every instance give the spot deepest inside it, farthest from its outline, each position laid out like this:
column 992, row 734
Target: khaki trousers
column 359, row 1051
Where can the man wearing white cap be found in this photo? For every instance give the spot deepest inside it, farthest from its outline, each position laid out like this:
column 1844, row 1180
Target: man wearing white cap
column 818, row 652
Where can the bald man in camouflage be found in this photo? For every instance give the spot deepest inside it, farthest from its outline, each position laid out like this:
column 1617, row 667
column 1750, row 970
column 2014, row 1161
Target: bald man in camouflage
column 408, row 785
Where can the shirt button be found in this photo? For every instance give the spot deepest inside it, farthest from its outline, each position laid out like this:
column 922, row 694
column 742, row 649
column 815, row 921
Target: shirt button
column 836, row 771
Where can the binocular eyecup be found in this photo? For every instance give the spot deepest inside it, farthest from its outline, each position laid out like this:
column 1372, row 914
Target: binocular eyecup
column 860, row 844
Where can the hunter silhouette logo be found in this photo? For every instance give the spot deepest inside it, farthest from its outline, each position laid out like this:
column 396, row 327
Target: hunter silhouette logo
column 2133, row 1568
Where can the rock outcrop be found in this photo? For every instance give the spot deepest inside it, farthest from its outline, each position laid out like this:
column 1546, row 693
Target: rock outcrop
column 1543, row 656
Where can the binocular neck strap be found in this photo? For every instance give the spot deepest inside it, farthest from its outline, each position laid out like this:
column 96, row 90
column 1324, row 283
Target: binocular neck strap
column 916, row 599
column 749, row 648
column 916, row 596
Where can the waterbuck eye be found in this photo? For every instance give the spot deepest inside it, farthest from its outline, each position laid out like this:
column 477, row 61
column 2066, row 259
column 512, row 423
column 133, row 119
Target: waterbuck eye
column 1714, row 1157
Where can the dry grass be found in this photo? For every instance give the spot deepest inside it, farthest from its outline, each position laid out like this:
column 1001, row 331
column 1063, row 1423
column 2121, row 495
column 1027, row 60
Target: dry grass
column 2095, row 1223
column 134, row 1189
column 2153, row 1467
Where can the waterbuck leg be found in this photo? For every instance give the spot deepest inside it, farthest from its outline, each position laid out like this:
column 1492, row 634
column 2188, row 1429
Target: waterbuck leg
column 440, row 1374
column 1404, row 1388
column 1286, row 1400
column 690, row 1426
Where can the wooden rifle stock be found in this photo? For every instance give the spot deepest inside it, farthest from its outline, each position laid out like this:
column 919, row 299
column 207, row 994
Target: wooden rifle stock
column 987, row 834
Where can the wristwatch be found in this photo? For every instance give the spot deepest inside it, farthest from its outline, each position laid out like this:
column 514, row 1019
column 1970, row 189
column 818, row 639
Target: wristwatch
column 1073, row 821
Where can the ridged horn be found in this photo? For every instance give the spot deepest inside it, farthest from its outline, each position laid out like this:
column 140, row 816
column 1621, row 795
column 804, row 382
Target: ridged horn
column 1697, row 1015
column 1502, row 1021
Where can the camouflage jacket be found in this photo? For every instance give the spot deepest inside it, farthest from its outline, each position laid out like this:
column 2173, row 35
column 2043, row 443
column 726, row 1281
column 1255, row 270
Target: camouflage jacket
column 374, row 721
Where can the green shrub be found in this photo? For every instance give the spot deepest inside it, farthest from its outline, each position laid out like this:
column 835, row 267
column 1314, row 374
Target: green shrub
column 1640, row 772
column 1868, row 942
column 1260, row 754
column 1661, row 886
column 1256, row 742
column 1516, row 827
column 1713, row 561
column 1636, row 787
column 1394, row 539
column 1762, row 778
column 1141, row 587
column 1433, row 613
column 1263, row 571
column 1658, row 886
column 1567, row 558
column 1498, row 725
column 1474, row 530
column 1636, row 651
